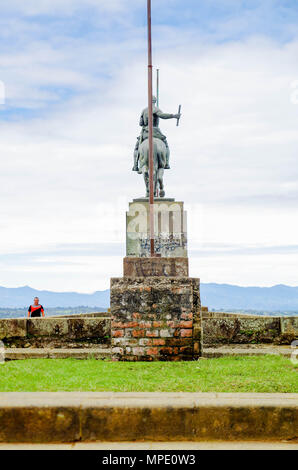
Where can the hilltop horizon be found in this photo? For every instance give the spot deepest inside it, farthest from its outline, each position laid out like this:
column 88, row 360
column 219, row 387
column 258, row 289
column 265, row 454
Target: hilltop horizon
column 27, row 286
column 279, row 297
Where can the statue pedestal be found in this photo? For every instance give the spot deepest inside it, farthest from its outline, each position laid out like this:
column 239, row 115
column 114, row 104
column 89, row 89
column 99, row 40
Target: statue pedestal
column 155, row 306
column 170, row 228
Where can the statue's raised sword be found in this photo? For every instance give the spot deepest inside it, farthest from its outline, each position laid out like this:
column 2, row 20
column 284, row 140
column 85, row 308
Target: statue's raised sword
column 179, row 112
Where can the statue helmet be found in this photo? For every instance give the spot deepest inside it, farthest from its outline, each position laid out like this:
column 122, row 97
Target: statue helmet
column 154, row 99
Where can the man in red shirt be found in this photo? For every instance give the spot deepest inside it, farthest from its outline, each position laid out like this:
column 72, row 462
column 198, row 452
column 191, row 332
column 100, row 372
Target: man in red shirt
column 35, row 310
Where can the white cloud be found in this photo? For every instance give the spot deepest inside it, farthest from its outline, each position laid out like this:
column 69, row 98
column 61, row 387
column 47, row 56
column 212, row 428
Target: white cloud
column 2, row 93
column 66, row 175
column 68, row 7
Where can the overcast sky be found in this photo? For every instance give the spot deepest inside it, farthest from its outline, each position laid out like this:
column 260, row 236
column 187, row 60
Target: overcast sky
column 74, row 73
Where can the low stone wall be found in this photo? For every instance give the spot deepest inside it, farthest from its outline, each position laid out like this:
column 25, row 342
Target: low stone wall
column 232, row 328
column 169, row 328
column 55, row 332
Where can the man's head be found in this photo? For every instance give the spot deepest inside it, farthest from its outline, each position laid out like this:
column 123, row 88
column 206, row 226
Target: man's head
column 154, row 99
column 36, row 301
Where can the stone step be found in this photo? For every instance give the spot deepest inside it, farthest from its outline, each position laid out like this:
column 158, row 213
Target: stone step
column 103, row 352
column 153, row 417
column 13, row 354
column 246, row 350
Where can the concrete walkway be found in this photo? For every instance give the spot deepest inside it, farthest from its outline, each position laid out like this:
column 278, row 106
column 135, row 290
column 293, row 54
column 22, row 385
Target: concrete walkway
column 165, row 417
column 105, row 353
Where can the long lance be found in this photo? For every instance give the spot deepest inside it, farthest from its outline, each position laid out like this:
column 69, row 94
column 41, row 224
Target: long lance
column 150, row 126
column 157, row 103
column 157, row 87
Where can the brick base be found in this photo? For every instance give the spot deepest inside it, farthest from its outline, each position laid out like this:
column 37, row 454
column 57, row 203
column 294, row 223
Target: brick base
column 155, row 318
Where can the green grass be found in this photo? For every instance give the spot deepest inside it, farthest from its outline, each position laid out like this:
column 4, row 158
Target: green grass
column 235, row 374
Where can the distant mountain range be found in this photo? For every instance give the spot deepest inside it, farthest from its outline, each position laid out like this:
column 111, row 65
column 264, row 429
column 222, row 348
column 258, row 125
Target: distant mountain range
column 215, row 296
column 19, row 297
column 228, row 297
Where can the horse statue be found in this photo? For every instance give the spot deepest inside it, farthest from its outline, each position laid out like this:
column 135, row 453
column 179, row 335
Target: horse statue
column 161, row 151
column 159, row 163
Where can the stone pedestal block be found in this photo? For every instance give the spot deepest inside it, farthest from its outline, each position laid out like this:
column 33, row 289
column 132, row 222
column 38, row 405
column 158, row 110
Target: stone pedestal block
column 170, row 222
column 156, row 307
column 155, row 318
column 151, row 267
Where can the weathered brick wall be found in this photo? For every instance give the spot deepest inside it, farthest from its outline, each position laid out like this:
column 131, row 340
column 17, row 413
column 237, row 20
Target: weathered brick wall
column 155, row 318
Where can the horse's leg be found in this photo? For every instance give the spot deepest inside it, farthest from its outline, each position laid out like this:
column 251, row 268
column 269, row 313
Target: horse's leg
column 160, row 164
column 160, row 181
column 156, row 180
column 143, row 165
column 146, row 179
column 156, row 167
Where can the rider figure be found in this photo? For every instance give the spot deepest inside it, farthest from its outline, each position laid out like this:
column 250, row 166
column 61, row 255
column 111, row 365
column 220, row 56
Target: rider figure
column 144, row 121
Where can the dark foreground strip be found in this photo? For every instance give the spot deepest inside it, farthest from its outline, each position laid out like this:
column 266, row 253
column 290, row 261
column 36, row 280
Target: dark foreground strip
column 140, row 459
column 164, row 417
